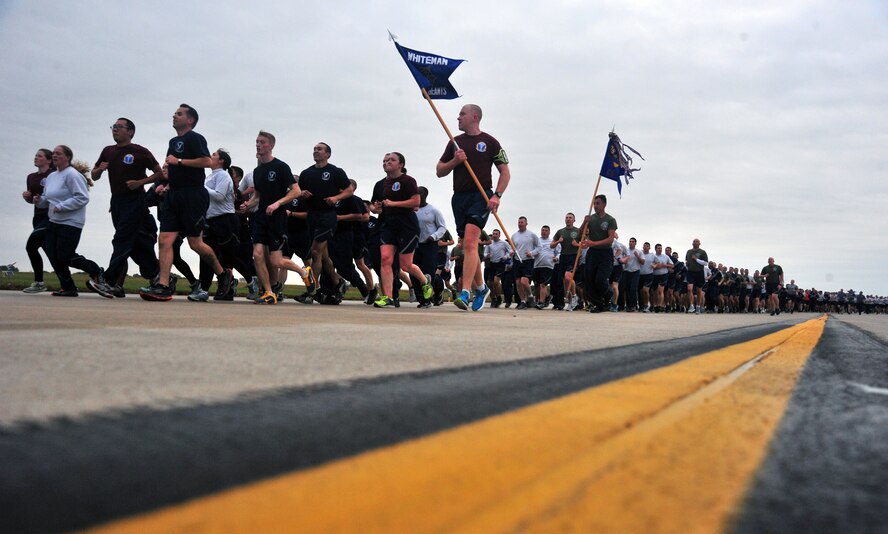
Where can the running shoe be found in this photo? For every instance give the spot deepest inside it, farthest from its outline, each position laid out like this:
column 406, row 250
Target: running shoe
column 304, row 298
column 195, row 286
column 424, row 305
column 412, row 297
column 196, row 290
column 266, row 298
column 480, row 297
column 383, row 302
column 99, row 286
column 308, row 280
column 438, row 299
column 574, row 302
column 278, row 289
column 36, row 287
column 427, row 288
column 118, row 292
column 690, row 309
column 223, row 283
column 232, row 291
column 253, row 289
column 372, row 295
column 156, row 292
column 521, row 306
column 199, row 296
column 462, row 300
column 65, row 293
column 342, row 287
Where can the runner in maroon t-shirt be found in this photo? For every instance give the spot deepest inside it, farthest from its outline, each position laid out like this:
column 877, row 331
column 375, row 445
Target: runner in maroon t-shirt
column 470, row 211
column 135, row 231
column 34, row 188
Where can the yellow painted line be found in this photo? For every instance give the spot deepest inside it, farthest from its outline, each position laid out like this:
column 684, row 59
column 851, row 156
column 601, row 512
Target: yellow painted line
column 669, row 450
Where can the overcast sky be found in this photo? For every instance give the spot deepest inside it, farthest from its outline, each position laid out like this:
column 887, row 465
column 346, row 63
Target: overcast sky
column 763, row 124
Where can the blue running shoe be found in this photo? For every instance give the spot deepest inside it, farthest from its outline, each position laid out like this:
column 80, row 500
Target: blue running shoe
column 462, row 300
column 480, row 297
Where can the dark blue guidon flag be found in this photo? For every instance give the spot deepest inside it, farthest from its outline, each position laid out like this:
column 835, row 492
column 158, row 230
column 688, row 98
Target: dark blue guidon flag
column 431, row 72
column 617, row 162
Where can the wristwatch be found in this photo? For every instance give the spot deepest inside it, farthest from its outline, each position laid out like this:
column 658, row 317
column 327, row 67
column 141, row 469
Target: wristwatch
column 180, row 161
column 497, row 193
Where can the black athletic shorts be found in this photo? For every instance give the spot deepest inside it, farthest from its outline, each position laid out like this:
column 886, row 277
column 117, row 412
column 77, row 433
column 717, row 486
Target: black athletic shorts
column 321, row 225
column 441, row 260
column 498, row 268
column 542, row 275
column 184, row 210
column 469, row 208
column 223, row 229
column 659, row 280
column 359, row 246
column 695, row 278
column 616, row 274
column 646, row 280
column 770, row 289
column 270, row 231
column 523, row 269
column 567, row 262
column 402, row 231
column 298, row 243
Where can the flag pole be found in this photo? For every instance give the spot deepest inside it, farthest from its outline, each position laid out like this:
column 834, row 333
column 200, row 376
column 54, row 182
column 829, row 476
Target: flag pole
column 585, row 222
column 425, row 94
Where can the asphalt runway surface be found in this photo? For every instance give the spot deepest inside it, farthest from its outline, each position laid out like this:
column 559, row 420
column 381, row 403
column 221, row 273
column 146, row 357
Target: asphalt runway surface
column 117, row 409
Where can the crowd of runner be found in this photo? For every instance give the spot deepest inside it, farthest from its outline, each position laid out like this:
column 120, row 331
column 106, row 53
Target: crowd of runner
column 255, row 223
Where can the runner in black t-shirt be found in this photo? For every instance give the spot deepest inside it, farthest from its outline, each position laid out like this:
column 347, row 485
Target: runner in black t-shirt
column 349, row 211
column 323, row 185
column 185, row 204
column 274, row 187
column 359, row 240
column 400, row 229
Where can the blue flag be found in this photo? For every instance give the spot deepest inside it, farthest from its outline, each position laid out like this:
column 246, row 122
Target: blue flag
column 617, row 162
column 431, row 72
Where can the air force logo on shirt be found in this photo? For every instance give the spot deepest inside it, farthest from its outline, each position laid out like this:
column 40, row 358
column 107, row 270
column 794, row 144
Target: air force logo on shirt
column 128, row 159
column 272, row 176
column 396, row 186
column 180, row 146
column 325, row 176
column 604, row 225
column 481, row 146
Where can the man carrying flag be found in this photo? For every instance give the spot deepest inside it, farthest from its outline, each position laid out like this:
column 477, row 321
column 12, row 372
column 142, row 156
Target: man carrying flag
column 472, row 152
column 470, row 211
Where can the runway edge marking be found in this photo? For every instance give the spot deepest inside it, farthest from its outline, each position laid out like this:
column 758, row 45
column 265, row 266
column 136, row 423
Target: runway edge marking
column 667, row 450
